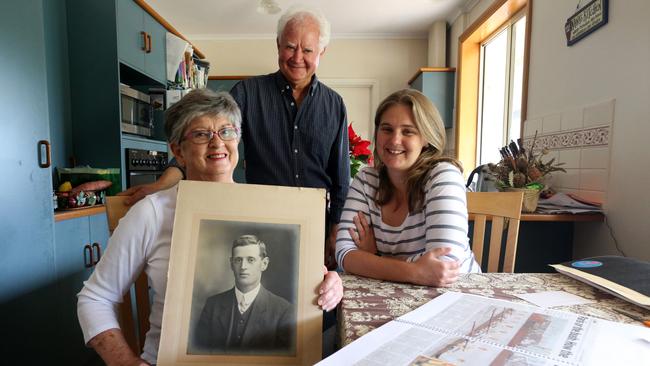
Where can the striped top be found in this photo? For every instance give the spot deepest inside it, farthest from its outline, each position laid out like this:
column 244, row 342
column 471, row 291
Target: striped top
column 442, row 223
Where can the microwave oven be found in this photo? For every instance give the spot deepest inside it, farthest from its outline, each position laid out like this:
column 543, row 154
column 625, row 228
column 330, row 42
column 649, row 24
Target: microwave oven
column 137, row 112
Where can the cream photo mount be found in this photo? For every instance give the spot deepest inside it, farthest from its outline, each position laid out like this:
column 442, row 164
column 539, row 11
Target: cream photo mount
column 206, row 211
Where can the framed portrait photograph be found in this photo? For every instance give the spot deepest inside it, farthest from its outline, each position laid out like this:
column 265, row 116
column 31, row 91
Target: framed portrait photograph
column 245, row 265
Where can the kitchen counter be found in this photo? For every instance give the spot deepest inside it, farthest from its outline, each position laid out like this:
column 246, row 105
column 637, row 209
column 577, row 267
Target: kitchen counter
column 594, row 217
column 80, row 212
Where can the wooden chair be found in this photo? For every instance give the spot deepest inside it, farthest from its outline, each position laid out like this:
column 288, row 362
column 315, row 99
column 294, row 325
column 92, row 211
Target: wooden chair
column 503, row 209
column 115, row 210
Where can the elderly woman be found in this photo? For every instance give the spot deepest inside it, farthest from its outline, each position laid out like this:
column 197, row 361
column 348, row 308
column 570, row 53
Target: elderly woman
column 203, row 133
column 406, row 218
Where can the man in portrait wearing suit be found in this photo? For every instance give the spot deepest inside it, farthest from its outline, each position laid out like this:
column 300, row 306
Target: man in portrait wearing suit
column 247, row 318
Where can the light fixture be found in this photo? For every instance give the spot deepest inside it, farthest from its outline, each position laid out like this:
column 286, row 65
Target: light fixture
column 268, row 7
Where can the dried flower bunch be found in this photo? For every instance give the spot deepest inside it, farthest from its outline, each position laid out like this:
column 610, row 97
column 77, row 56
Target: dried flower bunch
column 520, row 168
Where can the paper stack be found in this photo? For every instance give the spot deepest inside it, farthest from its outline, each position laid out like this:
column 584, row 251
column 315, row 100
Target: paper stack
column 563, row 203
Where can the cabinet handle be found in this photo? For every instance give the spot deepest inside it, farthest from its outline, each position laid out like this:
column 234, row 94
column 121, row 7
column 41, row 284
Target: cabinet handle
column 48, row 155
column 98, row 250
column 148, row 43
column 144, row 40
column 88, row 256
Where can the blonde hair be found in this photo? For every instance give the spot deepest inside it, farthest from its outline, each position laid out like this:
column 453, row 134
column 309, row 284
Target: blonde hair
column 429, row 123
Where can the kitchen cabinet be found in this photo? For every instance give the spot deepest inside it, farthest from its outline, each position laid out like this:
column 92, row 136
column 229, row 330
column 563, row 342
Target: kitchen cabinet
column 438, row 84
column 100, row 59
column 79, row 244
column 27, row 267
column 140, row 40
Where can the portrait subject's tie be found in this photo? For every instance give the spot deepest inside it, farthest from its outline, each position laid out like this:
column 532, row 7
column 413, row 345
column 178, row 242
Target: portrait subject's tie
column 243, row 306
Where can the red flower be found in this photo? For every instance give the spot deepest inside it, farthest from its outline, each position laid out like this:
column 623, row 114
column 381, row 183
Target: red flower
column 359, row 151
column 352, row 135
column 361, row 148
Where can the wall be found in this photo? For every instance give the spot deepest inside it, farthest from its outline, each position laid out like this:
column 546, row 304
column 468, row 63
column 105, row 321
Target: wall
column 610, row 64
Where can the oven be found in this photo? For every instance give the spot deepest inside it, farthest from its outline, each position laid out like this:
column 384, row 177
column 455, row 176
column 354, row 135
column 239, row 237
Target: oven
column 144, row 166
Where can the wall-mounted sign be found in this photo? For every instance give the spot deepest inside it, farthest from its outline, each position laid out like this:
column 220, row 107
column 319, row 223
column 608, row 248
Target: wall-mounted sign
column 586, row 20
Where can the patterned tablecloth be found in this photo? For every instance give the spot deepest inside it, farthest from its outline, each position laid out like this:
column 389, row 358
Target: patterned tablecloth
column 368, row 303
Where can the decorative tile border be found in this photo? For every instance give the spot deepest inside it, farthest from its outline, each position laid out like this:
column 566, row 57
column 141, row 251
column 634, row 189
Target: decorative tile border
column 597, row 136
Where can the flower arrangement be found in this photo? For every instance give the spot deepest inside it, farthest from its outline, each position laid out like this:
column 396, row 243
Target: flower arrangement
column 519, row 168
column 360, row 152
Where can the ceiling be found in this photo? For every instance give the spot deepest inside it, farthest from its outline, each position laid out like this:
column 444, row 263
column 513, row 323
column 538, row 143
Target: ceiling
column 238, row 19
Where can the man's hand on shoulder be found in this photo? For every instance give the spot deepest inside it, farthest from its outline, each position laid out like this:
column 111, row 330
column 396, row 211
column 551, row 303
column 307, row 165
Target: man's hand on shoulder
column 168, row 179
column 137, row 193
column 330, row 291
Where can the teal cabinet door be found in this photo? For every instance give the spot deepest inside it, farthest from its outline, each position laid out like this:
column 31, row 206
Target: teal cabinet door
column 130, row 40
column 71, row 236
column 439, row 87
column 156, row 59
column 99, row 230
column 141, row 40
column 75, row 258
column 27, row 224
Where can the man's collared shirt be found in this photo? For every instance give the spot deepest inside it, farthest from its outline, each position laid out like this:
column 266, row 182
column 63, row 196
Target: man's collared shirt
column 290, row 145
column 244, row 300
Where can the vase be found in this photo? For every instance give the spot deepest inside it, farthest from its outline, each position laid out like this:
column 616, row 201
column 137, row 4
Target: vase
column 531, row 197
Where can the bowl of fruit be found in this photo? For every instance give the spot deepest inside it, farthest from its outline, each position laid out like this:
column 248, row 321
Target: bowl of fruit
column 83, row 195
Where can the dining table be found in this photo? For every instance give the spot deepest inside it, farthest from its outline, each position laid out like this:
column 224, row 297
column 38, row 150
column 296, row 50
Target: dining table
column 369, row 303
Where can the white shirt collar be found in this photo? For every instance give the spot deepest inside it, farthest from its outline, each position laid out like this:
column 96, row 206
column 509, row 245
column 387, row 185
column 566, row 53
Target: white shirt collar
column 244, row 300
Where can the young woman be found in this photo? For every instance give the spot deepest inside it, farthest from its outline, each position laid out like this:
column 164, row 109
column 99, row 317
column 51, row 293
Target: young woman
column 405, row 219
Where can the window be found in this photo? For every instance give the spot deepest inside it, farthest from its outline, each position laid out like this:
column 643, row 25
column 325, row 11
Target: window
column 492, row 79
column 501, row 70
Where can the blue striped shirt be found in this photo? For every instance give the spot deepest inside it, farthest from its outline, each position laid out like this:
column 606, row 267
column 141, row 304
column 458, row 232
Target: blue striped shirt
column 290, row 145
column 441, row 223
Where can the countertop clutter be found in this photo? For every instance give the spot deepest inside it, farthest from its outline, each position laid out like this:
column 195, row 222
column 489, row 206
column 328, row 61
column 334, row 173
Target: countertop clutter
column 79, row 212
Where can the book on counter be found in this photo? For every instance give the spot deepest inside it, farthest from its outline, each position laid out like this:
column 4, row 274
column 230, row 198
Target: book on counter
column 627, row 278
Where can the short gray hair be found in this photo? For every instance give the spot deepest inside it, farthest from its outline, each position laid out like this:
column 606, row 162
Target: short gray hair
column 245, row 240
column 199, row 103
column 299, row 13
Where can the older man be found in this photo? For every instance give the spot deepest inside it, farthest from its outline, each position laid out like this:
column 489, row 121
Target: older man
column 294, row 126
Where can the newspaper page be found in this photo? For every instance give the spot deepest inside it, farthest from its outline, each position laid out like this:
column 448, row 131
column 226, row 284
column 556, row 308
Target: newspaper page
column 463, row 329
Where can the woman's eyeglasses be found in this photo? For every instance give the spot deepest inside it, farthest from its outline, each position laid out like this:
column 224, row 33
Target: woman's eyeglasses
column 200, row 137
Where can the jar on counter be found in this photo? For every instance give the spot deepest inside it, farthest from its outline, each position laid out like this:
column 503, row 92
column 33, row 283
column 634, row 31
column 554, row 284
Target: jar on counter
column 55, row 200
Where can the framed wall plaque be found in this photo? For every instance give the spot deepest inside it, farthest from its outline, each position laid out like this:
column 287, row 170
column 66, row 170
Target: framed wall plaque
column 586, row 20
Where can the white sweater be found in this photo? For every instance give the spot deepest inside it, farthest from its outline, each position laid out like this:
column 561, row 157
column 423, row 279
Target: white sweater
column 442, row 222
column 140, row 242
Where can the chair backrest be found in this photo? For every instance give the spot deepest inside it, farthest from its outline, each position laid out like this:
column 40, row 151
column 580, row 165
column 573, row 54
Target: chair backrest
column 503, row 209
column 115, row 210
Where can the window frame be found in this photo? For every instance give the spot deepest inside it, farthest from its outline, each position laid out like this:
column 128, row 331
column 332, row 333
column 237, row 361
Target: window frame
column 493, row 20
column 509, row 28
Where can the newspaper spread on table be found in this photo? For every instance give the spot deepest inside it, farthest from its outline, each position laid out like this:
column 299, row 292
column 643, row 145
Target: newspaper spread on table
column 464, row 329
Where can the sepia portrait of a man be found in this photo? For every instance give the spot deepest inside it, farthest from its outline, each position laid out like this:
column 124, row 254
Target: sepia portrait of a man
column 247, row 317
